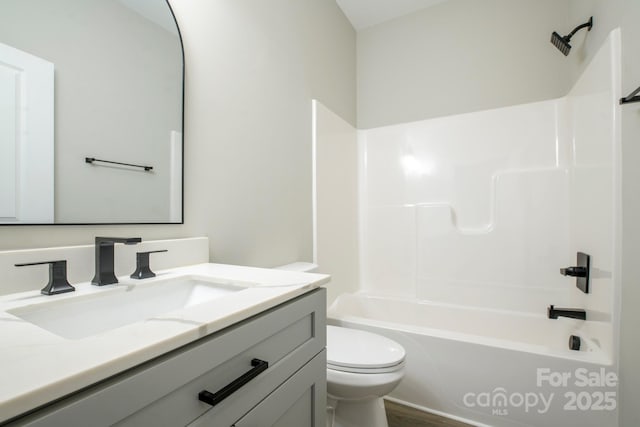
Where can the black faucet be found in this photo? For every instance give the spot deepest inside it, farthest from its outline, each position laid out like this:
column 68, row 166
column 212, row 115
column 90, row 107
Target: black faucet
column 573, row 313
column 104, row 258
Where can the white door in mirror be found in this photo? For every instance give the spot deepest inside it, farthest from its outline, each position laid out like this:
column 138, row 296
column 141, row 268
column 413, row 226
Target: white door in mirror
column 26, row 137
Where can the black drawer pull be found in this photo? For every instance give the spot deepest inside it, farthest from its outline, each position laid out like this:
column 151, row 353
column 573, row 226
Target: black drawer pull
column 214, row 398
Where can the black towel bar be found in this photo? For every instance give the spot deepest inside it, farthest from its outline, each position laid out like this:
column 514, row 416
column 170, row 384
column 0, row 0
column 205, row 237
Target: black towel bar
column 93, row 159
column 632, row 97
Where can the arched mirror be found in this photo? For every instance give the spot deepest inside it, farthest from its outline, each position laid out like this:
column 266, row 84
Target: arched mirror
column 91, row 112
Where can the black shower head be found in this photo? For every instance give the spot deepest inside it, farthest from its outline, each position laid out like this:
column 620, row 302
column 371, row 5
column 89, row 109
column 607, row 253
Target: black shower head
column 562, row 42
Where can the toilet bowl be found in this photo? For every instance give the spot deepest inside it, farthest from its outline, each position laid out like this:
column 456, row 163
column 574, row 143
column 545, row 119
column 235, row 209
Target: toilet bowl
column 362, row 367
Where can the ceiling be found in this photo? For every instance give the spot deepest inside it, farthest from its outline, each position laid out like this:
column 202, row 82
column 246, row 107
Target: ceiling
column 366, row 13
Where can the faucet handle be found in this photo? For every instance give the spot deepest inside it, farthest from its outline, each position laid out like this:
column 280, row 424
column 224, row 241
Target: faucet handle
column 58, row 283
column 143, row 271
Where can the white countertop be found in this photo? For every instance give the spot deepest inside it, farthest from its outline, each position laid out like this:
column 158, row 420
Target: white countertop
column 39, row 366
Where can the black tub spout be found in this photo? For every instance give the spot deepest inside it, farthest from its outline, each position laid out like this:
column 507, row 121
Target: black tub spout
column 573, row 313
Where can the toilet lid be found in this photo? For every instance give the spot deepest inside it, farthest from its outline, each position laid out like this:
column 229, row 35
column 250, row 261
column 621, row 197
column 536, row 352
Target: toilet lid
column 353, row 348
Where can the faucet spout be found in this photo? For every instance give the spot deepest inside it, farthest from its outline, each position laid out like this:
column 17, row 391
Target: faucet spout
column 572, row 313
column 105, row 274
column 112, row 240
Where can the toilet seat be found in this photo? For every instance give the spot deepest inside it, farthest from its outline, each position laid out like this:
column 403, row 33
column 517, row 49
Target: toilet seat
column 357, row 351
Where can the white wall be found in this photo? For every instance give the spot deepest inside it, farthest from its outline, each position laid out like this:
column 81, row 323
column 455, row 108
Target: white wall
column 609, row 14
column 595, row 207
column 252, row 69
column 253, row 122
column 336, row 154
column 460, row 56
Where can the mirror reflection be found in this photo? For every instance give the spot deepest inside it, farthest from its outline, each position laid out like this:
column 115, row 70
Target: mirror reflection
column 97, row 79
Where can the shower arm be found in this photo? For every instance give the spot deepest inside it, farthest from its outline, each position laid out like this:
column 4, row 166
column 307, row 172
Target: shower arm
column 578, row 28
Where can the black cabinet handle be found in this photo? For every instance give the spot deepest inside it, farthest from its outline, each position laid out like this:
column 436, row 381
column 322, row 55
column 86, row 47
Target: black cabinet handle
column 214, row 398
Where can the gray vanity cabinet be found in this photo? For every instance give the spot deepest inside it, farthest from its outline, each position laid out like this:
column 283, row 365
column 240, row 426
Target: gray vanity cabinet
column 165, row 391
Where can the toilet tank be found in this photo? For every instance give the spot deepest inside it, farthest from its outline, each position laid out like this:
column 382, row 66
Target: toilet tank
column 305, row 267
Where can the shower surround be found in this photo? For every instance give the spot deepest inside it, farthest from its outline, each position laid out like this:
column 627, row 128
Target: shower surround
column 465, row 222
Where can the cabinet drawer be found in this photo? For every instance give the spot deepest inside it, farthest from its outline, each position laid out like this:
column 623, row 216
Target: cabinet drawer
column 299, row 402
column 164, row 391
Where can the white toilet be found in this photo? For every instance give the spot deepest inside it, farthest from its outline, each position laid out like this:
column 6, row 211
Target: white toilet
column 362, row 367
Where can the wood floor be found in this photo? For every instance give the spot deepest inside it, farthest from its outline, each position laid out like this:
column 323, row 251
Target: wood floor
column 404, row 416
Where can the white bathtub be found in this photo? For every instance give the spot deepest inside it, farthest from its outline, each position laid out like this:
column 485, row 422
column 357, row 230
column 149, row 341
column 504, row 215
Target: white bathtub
column 491, row 367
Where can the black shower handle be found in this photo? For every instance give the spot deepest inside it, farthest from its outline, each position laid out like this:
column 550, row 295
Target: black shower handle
column 574, row 271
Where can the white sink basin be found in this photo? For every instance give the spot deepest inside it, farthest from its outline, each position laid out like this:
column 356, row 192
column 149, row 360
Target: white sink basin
column 84, row 316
